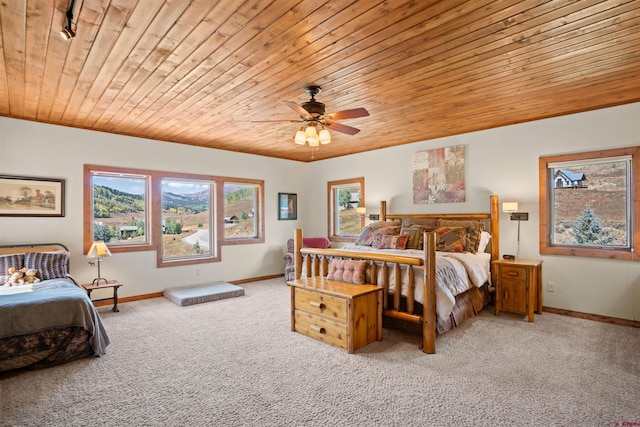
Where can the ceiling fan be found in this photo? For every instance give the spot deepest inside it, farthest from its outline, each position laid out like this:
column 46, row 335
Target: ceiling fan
column 314, row 131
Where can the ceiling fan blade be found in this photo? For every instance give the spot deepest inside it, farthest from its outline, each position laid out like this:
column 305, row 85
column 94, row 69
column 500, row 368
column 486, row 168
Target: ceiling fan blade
column 347, row 114
column 276, row 121
column 298, row 109
column 341, row 128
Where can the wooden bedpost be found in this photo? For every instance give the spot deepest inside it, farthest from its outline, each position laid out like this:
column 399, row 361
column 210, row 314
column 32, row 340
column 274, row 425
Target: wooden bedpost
column 297, row 245
column 429, row 310
column 495, row 233
column 383, row 210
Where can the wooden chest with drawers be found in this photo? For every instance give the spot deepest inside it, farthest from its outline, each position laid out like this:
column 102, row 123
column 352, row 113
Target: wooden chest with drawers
column 342, row 314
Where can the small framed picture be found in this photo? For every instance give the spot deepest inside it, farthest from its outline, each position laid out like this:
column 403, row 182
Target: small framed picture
column 26, row 196
column 287, row 206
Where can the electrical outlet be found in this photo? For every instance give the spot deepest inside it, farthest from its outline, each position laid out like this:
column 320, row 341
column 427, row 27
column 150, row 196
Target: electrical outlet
column 551, row 286
column 197, row 271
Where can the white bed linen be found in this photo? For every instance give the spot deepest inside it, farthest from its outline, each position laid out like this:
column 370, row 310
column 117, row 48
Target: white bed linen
column 456, row 272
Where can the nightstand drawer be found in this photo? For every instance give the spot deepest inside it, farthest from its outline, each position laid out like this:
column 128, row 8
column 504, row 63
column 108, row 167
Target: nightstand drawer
column 321, row 305
column 321, row 328
column 513, row 272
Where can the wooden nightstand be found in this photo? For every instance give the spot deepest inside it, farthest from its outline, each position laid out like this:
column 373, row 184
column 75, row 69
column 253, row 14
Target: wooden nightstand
column 104, row 285
column 519, row 286
column 338, row 313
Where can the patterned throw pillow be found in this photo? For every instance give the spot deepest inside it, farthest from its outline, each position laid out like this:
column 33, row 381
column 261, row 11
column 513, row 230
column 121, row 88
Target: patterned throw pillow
column 6, row 262
column 416, row 234
column 347, row 271
column 50, row 265
column 451, row 239
column 474, row 229
column 386, row 241
column 370, row 231
column 366, row 238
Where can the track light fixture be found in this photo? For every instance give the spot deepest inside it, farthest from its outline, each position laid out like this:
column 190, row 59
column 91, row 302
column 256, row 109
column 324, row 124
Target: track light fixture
column 67, row 32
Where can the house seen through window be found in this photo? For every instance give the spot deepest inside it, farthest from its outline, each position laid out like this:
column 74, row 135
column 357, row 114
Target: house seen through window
column 588, row 203
column 241, row 207
column 184, row 217
column 120, row 212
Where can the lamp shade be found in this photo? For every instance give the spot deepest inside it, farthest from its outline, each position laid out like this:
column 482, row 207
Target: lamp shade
column 312, row 136
column 510, row 207
column 300, row 138
column 98, row 249
column 325, row 136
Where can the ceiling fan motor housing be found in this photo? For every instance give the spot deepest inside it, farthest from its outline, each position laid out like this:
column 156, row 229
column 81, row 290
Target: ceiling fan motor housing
column 314, row 108
column 312, row 113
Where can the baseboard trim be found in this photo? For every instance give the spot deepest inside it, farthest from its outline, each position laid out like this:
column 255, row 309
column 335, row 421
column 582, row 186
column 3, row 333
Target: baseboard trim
column 159, row 294
column 255, row 279
column 595, row 317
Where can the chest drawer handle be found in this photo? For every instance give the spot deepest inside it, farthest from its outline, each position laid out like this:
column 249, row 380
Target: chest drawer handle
column 318, row 329
column 512, row 273
column 318, row 304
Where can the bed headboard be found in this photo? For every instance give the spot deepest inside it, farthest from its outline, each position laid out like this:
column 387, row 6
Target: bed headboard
column 33, row 247
column 489, row 218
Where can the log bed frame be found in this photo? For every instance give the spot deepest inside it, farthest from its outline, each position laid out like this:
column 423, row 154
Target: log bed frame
column 319, row 260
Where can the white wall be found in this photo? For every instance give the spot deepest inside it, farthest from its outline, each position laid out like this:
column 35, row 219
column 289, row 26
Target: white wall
column 41, row 150
column 504, row 161
column 501, row 161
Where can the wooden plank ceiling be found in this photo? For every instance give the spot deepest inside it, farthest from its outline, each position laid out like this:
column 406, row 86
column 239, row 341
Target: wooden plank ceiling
column 214, row 73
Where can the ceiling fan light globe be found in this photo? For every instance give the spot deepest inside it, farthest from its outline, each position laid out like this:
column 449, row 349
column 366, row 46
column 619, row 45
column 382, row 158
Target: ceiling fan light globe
column 300, row 138
column 311, row 133
column 313, row 142
column 325, row 136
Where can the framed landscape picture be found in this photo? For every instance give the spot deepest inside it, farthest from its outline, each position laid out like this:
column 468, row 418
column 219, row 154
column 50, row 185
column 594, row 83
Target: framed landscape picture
column 287, row 206
column 26, row 196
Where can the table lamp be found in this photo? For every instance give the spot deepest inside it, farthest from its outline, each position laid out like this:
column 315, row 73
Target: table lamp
column 97, row 251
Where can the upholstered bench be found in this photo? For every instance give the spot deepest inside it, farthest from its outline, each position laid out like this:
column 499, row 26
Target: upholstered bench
column 197, row 294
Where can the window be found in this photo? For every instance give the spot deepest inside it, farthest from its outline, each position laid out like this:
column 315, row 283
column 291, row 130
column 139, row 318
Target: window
column 117, row 208
column 586, row 204
column 345, row 223
column 187, row 219
column 242, row 212
column 181, row 216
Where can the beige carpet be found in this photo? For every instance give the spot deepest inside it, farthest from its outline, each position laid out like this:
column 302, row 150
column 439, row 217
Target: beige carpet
column 235, row 362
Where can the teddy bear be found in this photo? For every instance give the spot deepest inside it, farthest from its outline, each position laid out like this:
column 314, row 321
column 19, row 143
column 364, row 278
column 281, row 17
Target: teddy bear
column 16, row 277
column 30, row 276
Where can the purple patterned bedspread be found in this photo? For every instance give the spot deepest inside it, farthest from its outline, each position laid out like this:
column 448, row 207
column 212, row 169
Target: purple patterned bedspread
column 52, row 305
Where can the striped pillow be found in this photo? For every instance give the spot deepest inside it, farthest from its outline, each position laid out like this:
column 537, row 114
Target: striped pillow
column 50, row 265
